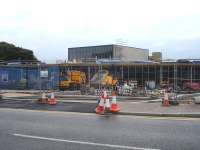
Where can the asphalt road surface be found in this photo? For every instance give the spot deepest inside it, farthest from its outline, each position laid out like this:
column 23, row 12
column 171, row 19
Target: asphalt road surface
column 32, row 130
column 60, row 106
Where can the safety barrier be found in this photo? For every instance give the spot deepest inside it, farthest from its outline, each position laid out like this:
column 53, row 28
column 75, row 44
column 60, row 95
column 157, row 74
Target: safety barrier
column 99, row 92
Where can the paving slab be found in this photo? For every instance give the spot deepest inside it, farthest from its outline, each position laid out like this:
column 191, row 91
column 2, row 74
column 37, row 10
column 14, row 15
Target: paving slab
column 156, row 109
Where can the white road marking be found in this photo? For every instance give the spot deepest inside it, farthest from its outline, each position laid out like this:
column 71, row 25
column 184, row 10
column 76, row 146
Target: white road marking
column 82, row 142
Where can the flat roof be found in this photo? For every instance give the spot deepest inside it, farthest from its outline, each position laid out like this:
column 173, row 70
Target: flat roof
column 107, row 45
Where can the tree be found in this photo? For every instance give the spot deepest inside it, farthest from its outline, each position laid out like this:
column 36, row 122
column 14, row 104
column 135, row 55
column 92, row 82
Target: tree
column 11, row 52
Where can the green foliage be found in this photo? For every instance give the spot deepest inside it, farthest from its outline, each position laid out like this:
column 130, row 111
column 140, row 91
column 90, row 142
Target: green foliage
column 11, row 52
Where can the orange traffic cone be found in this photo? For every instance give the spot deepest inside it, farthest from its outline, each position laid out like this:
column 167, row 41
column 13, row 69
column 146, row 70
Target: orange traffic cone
column 100, row 108
column 114, row 106
column 43, row 99
column 106, row 99
column 107, row 104
column 52, row 100
column 166, row 100
column 105, row 95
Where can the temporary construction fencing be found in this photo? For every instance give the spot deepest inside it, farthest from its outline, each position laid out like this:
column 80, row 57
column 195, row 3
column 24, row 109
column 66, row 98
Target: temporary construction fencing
column 19, row 78
column 170, row 76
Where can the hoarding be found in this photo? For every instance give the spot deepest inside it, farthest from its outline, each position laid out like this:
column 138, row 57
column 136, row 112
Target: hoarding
column 4, row 76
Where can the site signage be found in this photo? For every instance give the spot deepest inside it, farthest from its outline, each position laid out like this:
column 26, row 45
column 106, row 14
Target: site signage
column 44, row 73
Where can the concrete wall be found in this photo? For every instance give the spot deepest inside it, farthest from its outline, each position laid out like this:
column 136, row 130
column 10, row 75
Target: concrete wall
column 126, row 53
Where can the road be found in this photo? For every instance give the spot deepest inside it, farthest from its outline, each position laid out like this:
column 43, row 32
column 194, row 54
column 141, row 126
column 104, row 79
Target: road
column 32, row 129
column 60, row 106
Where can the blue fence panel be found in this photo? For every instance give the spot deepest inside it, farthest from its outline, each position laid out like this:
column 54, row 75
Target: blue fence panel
column 11, row 78
column 33, row 78
column 29, row 78
column 36, row 81
column 4, row 83
column 53, row 73
column 15, row 77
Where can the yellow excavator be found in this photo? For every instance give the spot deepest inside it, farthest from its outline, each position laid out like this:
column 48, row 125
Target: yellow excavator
column 72, row 80
column 104, row 79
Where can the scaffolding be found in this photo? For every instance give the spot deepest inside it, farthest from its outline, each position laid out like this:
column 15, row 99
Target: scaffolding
column 172, row 74
column 168, row 74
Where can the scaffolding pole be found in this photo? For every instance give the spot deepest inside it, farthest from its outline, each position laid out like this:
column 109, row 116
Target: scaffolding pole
column 191, row 74
column 142, row 75
column 89, row 76
column 128, row 72
column 155, row 73
column 161, row 74
column 122, row 73
column 175, row 77
column 135, row 74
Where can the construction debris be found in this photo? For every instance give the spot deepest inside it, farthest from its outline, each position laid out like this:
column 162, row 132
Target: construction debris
column 196, row 99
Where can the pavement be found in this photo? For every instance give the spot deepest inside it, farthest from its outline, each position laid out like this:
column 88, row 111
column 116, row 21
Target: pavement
column 63, row 95
column 134, row 107
column 32, row 129
column 156, row 109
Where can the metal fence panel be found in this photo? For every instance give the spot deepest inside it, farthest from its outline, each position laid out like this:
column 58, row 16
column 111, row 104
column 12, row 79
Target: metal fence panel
column 11, row 78
column 16, row 78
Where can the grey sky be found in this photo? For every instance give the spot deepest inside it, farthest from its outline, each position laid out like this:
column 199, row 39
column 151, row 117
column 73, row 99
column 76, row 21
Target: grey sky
column 49, row 27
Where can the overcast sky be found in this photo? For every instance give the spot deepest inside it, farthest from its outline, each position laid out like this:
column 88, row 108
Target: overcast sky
column 49, row 27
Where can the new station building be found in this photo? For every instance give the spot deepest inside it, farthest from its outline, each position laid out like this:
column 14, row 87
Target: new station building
column 116, row 52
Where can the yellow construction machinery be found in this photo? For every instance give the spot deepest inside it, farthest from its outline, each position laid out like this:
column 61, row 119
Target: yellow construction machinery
column 104, row 79
column 72, row 80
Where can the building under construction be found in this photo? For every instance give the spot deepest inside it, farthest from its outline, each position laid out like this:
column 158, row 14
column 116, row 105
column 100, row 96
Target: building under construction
column 125, row 64
column 169, row 74
column 172, row 74
column 117, row 52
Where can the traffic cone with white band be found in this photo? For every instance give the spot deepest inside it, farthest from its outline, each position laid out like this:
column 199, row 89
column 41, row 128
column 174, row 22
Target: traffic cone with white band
column 114, row 106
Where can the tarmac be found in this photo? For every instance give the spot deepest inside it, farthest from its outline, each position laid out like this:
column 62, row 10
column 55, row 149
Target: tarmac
column 135, row 107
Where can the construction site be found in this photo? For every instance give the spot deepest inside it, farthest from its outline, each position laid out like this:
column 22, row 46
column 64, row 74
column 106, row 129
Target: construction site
column 107, row 66
column 109, row 70
column 99, row 75
column 100, row 86
column 130, row 81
